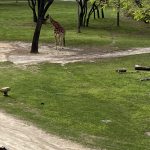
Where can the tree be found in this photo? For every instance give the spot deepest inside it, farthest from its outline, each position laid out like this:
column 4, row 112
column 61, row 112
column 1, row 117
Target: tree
column 78, row 18
column 142, row 10
column 95, row 7
column 118, row 13
column 138, row 9
column 83, row 11
column 83, row 18
column 42, row 6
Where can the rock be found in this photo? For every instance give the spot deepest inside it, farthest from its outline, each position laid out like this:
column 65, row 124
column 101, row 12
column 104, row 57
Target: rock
column 147, row 133
column 5, row 90
column 106, row 121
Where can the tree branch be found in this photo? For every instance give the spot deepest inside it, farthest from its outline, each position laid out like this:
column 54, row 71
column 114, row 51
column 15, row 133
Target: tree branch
column 49, row 2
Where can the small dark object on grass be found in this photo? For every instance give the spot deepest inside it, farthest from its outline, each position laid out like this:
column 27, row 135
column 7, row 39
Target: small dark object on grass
column 145, row 79
column 42, row 103
column 5, row 90
column 121, row 70
column 3, row 148
column 142, row 68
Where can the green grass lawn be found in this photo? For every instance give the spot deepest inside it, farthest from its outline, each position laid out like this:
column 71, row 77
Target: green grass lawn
column 16, row 24
column 78, row 96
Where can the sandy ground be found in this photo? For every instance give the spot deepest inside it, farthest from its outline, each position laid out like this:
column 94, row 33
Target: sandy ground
column 19, row 135
column 19, row 53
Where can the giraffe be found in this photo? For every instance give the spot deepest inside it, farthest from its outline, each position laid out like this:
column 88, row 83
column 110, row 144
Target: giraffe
column 59, row 33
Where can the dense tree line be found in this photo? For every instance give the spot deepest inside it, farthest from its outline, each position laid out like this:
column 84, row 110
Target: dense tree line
column 138, row 9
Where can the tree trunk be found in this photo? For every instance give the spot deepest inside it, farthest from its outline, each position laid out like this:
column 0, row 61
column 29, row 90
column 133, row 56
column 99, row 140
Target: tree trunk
column 94, row 13
column 78, row 19
column 102, row 11
column 88, row 18
column 85, row 14
column 81, row 17
column 97, row 12
column 34, row 16
column 118, row 19
column 118, row 13
column 34, row 48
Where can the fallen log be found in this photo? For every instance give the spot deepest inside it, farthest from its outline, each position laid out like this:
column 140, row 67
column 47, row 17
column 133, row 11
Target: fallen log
column 121, row 70
column 142, row 68
column 145, row 79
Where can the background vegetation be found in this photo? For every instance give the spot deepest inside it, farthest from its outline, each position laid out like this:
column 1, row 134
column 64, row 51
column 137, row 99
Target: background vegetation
column 16, row 24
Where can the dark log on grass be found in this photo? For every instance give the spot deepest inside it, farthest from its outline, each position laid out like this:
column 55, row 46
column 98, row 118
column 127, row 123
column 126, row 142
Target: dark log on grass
column 121, row 70
column 145, row 79
column 142, row 68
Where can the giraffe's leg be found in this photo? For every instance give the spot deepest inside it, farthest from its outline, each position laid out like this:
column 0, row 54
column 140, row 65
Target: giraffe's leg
column 56, row 40
column 59, row 37
column 61, row 40
column 64, row 42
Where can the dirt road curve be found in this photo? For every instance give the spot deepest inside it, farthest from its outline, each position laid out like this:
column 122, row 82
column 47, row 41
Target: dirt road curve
column 18, row 135
column 19, row 53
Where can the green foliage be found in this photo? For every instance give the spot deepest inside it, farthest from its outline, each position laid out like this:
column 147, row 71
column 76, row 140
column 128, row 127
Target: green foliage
column 99, row 2
column 92, row 1
column 142, row 13
column 139, row 12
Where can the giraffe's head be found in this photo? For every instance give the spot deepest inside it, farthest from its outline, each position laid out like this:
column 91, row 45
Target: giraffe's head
column 50, row 18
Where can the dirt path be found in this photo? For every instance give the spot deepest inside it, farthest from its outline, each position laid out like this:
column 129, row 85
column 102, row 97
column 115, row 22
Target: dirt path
column 19, row 135
column 19, row 53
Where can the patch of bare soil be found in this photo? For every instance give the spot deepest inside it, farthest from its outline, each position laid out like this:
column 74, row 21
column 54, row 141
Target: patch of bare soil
column 19, row 53
column 19, row 135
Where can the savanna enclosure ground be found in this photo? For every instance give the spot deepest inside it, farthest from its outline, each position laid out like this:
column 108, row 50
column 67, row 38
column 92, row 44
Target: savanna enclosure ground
column 87, row 102
column 19, row 54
